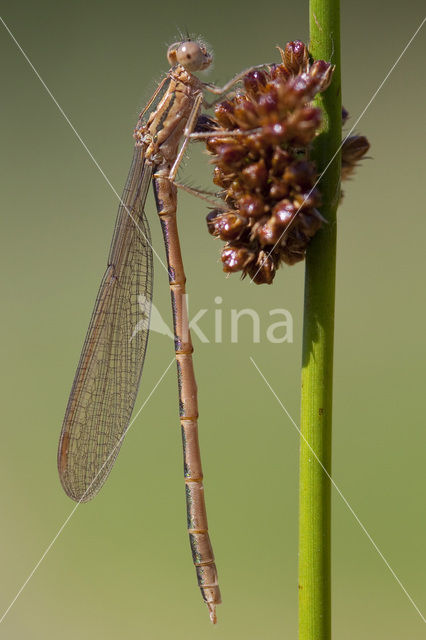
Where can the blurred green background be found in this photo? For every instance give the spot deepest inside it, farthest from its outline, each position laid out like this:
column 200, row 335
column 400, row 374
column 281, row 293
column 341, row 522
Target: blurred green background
column 121, row 567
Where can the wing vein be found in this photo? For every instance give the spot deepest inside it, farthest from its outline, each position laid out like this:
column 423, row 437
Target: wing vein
column 106, row 382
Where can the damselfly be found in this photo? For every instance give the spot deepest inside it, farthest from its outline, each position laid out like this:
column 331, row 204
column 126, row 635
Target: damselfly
column 108, row 374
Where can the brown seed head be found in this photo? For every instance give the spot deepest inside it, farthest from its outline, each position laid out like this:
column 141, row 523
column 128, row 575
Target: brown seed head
column 268, row 181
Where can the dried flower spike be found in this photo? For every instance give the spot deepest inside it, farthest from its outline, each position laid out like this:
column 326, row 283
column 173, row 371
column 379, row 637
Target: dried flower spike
column 263, row 166
column 354, row 149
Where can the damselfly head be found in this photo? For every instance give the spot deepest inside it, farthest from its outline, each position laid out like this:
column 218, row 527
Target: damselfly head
column 191, row 54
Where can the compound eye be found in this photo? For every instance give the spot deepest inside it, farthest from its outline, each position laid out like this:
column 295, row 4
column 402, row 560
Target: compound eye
column 193, row 56
column 189, row 54
column 172, row 53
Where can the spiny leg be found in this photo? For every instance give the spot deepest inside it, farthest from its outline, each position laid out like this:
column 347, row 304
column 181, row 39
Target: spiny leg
column 153, row 97
column 200, row 193
column 219, row 91
column 190, row 126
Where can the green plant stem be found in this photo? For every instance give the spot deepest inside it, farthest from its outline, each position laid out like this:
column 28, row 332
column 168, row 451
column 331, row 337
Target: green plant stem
column 318, row 337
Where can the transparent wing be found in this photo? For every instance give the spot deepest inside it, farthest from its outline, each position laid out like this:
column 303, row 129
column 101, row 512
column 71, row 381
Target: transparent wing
column 108, row 374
